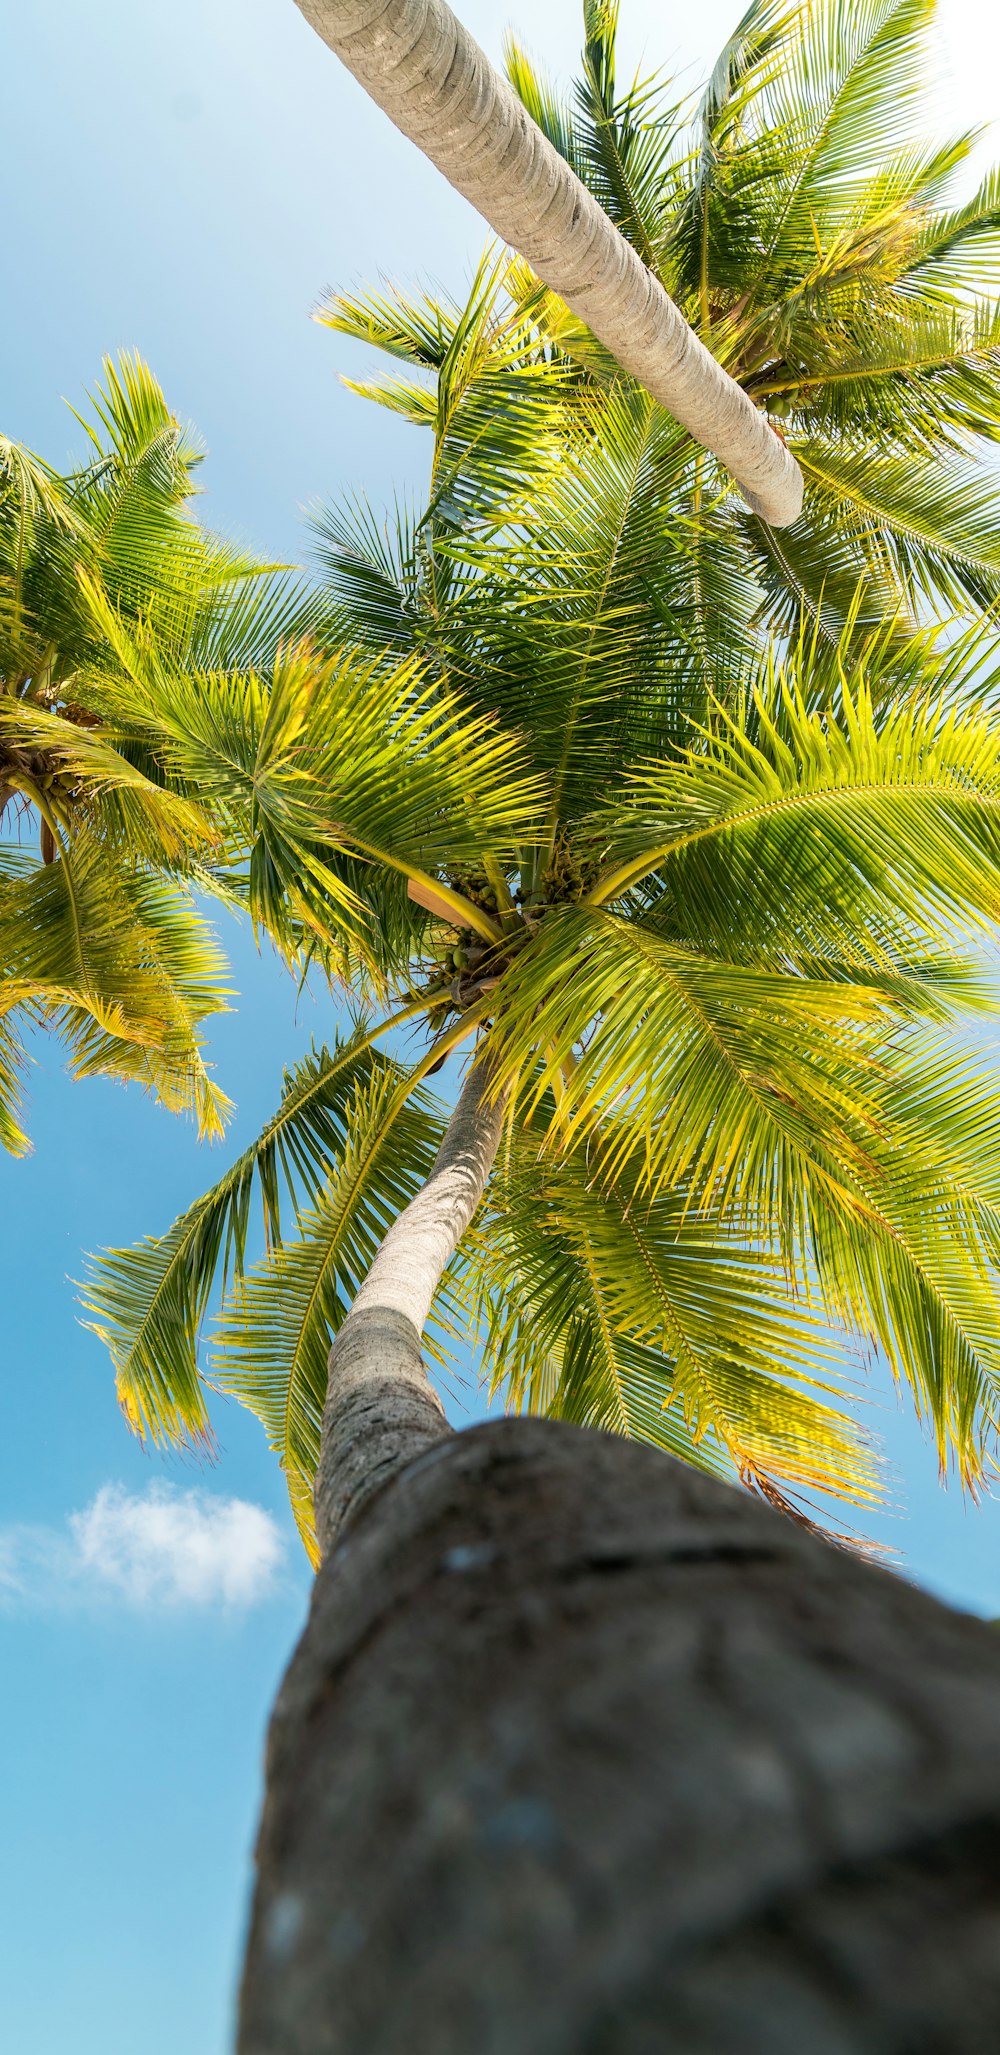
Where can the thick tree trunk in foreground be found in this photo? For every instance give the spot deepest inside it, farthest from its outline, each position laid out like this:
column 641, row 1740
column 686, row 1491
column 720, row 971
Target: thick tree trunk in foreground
column 435, row 83
column 585, row 1754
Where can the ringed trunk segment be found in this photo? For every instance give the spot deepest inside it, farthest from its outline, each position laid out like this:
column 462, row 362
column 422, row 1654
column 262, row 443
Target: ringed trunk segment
column 381, row 1409
column 439, row 88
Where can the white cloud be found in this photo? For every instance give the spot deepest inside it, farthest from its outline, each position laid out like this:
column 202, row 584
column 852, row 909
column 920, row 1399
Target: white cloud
column 177, row 1546
column 162, row 1547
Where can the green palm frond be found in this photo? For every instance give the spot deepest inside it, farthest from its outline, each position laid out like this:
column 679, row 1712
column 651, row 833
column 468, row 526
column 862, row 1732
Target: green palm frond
column 626, row 143
column 29, row 485
column 748, row 1087
column 921, row 1286
column 124, row 519
column 935, row 526
column 418, row 331
column 958, row 249
column 338, row 774
column 87, row 777
column 592, row 628
column 347, row 749
column 862, row 1209
column 185, row 967
column 149, row 1303
column 123, row 966
column 899, row 803
column 374, row 576
column 833, row 94
column 490, row 389
column 351, row 767
column 13, row 1063
column 907, row 378
column 108, row 590
column 279, row 1321
column 646, row 1317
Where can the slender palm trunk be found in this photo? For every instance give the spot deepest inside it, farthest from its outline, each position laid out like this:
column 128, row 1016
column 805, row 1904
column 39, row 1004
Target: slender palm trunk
column 429, row 75
column 381, row 1409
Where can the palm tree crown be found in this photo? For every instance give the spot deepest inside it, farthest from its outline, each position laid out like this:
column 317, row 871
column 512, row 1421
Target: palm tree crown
column 103, row 853
column 708, row 919
column 804, row 216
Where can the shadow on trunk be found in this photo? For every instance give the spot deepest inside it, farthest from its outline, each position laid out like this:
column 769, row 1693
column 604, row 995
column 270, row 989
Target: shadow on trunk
column 584, row 1752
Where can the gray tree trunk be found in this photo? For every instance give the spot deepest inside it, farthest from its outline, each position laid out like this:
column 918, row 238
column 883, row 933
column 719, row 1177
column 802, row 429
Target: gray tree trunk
column 435, row 83
column 583, row 1753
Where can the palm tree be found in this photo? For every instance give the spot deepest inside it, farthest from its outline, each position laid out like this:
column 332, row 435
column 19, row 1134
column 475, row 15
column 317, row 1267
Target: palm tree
column 704, row 914
column 803, row 215
column 508, row 683
column 437, row 85
column 105, row 856
column 710, row 956
column 847, row 264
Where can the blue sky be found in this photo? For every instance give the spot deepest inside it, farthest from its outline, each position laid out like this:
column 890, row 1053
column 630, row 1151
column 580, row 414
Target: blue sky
column 192, row 176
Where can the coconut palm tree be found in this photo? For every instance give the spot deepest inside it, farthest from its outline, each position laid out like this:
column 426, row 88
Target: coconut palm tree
column 706, row 942
column 699, row 906
column 103, row 857
column 438, row 86
column 708, row 956
column 820, row 237
column 801, row 218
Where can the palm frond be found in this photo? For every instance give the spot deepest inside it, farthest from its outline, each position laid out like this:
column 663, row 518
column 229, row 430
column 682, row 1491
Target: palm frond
column 647, row 1318
column 902, row 804
column 123, row 966
column 148, row 1303
column 548, row 108
column 957, row 250
column 12, row 1069
column 853, row 75
column 934, row 524
column 278, row 1322
column 87, row 777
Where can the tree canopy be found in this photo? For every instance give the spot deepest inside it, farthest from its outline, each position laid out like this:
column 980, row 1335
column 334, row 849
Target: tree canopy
column 698, row 838
column 106, row 855
column 812, row 225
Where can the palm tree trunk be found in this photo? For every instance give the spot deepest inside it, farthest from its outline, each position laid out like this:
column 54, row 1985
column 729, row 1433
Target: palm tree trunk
column 381, row 1409
column 584, row 1753
column 435, row 83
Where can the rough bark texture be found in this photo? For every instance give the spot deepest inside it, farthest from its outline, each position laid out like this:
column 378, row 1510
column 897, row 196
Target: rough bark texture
column 435, row 83
column 585, row 1754
column 381, row 1409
